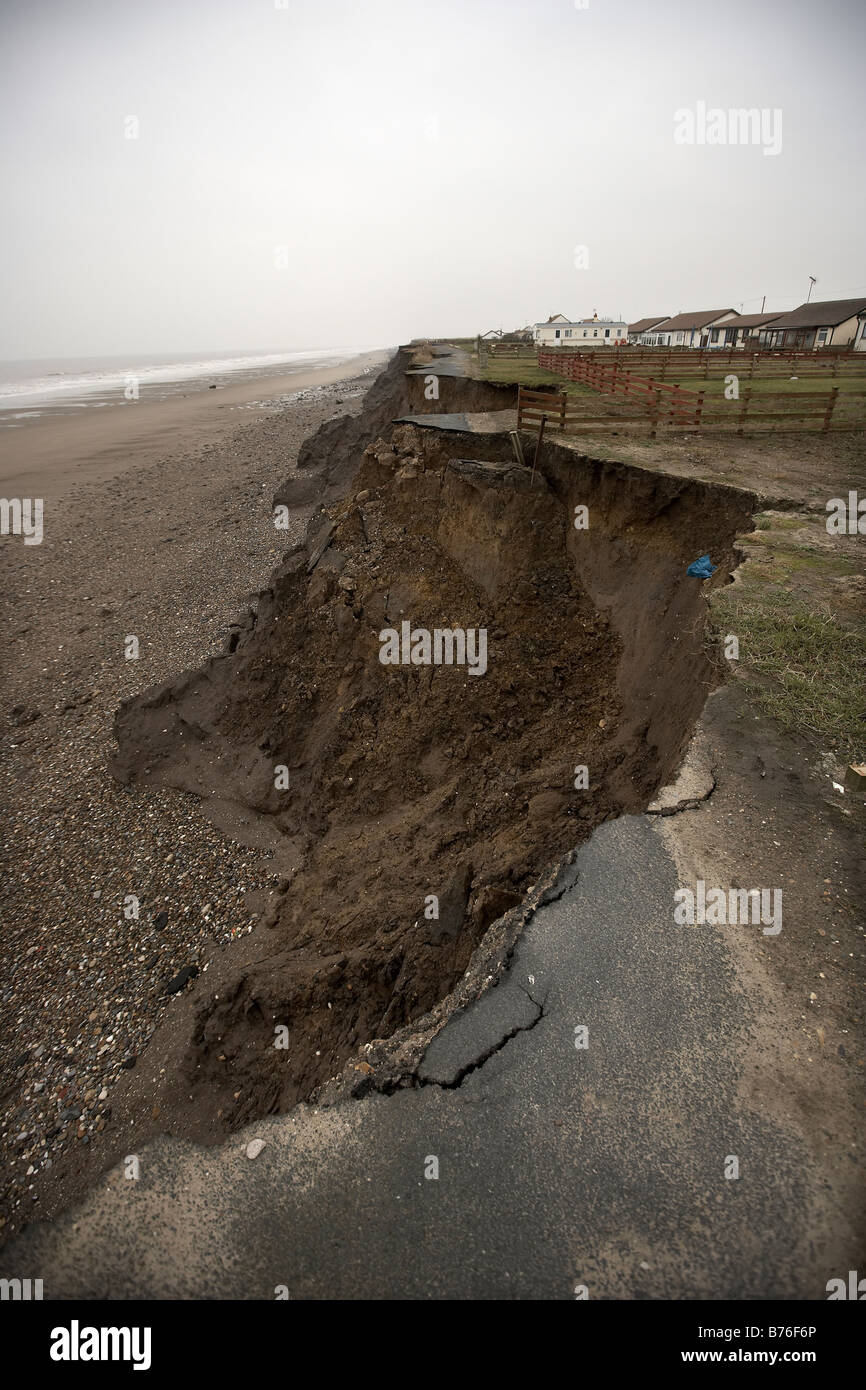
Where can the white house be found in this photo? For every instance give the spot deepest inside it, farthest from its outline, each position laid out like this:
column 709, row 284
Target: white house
column 594, row 332
column 557, row 320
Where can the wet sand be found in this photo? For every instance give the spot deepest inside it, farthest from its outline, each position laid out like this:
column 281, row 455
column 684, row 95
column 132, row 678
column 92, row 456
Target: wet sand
column 49, row 456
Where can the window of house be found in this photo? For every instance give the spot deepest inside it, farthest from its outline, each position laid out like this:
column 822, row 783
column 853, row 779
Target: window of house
column 556, row 332
column 584, row 333
column 822, row 336
column 595, row 333
column 607, row 332
column 568, row 332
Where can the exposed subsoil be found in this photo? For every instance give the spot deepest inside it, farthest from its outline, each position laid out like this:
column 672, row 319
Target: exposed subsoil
column 410, row 781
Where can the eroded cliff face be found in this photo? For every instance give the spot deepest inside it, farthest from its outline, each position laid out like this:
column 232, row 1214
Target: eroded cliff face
column 410, row 805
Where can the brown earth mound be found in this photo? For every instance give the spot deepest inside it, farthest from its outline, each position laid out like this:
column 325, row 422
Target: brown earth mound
column 408, row 782
column 404, row 781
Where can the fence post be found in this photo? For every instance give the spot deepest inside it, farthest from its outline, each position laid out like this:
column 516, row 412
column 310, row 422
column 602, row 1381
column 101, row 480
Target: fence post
column 744, row 407
column 654, row 414
column 699, row 410
column 828, row 413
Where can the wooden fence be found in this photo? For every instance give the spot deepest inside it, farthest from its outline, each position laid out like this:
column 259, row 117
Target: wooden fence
column 662, row 362
column 491, row 348
column 629, row 400
column 660, row 408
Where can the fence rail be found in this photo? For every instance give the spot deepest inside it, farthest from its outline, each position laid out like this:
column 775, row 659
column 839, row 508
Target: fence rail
column 628, row 399
column 696, row 363
column 487, row 348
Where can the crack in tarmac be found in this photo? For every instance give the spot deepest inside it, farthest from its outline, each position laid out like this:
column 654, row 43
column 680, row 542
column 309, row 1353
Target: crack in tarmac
column 478, row 1062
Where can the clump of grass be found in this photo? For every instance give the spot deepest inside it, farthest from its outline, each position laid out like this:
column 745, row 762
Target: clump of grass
column 812, row 669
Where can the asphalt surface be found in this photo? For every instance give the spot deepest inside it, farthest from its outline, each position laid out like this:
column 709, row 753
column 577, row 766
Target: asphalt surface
column 560, row 1168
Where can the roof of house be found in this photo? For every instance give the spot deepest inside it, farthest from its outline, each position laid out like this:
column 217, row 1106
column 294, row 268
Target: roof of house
column 644, row 325
column 700, row 319
column 584, row 323
column 754, row 320
column 822, row 314
column 556, row 318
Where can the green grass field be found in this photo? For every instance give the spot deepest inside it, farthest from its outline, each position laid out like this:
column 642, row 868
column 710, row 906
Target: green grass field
column 802, row 637
column 851, row 403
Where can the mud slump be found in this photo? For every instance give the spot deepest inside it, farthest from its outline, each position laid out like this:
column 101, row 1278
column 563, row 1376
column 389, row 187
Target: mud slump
column 418, row 780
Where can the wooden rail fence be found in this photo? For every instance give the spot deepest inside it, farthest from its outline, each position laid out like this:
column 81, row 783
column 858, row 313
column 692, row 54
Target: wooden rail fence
column 648, row 402
column 661, row 362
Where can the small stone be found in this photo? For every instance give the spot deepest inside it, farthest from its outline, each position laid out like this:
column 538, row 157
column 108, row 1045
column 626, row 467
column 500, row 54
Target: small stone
column 254, row 1147
column 182, row 978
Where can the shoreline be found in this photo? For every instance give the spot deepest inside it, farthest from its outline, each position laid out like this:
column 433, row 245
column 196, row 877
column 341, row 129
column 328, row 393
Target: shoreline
column 51, row 455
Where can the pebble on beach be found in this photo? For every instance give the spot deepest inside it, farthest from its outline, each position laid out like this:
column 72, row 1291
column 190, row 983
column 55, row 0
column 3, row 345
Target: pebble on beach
column 119, row 896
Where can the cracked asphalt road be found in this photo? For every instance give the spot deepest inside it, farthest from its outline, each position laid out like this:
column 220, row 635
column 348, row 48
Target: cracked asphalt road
column 559, row 1166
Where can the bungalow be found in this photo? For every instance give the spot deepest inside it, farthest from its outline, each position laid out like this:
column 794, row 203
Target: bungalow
column 692, row 330
column 827, row 323
column 554, row 318
column 594, row 332
column 637, row 330
column 744, row 330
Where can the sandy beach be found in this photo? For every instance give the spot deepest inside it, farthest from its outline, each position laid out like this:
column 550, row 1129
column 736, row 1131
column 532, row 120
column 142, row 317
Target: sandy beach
column 49, row 456
column 158, row 523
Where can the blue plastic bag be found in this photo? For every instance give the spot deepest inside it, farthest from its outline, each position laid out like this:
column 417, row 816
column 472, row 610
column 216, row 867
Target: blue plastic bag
column 702, row 569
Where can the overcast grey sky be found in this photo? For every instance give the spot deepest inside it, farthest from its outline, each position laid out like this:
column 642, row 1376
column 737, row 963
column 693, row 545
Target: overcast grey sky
column 429, row 168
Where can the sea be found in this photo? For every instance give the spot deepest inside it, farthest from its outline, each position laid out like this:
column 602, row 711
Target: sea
column 61, row 386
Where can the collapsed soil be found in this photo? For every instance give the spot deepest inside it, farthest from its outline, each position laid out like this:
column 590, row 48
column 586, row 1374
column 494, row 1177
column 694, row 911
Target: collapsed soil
column 404, row 781
column 409, row 781
column 412, row 781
